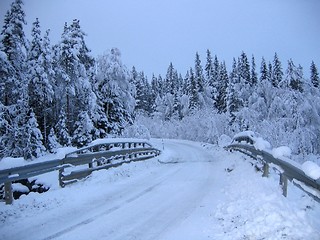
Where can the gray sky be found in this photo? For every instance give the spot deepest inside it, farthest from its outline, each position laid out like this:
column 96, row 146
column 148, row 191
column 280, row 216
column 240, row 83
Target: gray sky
column 152, row 33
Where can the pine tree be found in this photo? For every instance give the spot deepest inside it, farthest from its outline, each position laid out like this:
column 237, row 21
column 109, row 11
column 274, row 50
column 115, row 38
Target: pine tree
column 244, row 69
column 254, row 75
column 198, row 74
column 263, row 71
column 40, row 88
column 5, row 130
column 13, row 38
column 83, row 132
column 209, row 69
column 62, row 131
column 294, row 77
column 112, row 88
column 133, row 80
column 52, row 143
column 13, row 45
column 76, row 70
column 221, row 101
column 233, row 101
column 171, row 80
column 194, row 104
column 270, row 73
column 176, row 111
column 277, row 73
column 34, row 147
column 314, row 75
column 141, row 85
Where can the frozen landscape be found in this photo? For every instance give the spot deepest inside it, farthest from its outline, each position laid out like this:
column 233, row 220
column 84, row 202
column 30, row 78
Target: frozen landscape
column 201, row 72
column 191, row 191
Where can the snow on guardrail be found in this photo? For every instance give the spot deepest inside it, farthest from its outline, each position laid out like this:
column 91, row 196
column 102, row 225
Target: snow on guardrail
column 252, row 138
column 311, row 169
column 284, row 153
column 308, row 173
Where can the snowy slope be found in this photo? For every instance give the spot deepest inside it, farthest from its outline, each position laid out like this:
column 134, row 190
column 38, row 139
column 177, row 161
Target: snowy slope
column 198, row 191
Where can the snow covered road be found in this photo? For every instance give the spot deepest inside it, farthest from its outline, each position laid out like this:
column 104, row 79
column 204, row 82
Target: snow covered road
column 194, row 193
column 151, row 206
column 144, row 206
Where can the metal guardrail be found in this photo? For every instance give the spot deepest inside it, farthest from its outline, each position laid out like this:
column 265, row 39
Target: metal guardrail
column 96, row 157
column 287, row 170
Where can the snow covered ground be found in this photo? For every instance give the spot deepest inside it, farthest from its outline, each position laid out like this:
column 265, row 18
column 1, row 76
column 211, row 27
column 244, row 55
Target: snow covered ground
column 191, row 191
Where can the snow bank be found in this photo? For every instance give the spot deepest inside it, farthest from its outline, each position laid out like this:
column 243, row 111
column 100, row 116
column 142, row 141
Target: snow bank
column 282, row 151
column 18, row 187
column 311, row 169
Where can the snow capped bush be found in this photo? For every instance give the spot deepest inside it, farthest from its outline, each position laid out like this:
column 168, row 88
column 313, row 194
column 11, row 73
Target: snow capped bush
column 224, row 140
column 137, row 131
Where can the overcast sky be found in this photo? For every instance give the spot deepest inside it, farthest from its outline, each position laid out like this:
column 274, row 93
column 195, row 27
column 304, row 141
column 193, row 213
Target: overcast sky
column 152, row 33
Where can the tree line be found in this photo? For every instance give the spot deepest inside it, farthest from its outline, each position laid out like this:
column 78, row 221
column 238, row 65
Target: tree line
column 59, row 95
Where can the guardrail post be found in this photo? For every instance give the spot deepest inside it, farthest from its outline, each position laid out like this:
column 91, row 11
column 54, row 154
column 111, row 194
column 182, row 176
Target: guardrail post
column 284, row 184
column 8, row 196
column 265, row 170
column 61, row 183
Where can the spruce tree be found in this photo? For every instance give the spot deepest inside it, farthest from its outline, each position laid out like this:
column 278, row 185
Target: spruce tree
column 277, row 74
column 194, row 103
column 52, row 143
column 314, row 75
column 62, row 131
column 233, row 101
column 198, row 74
column 171, row 80
column 34, row 147
column 14, row 45
column 112, row 87
column 76, row 71
column 221, row 101
column 83, row 132
column 5, row 130
column 209, row 69
column 270, row 73
column 293, row 78
column 263, row 71
column 254, row 75
column 40, row 88
column 244, row 69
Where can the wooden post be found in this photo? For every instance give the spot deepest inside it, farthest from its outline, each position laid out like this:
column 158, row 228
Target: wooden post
column 8, row 192
column 284, row 184
column 265, row 170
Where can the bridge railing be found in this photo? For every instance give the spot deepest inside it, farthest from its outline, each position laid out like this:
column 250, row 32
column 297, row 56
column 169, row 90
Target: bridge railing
column 286, row 170
column 80, row 163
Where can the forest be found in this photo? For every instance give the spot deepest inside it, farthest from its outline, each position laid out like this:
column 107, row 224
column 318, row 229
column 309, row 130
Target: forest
column 54, row 95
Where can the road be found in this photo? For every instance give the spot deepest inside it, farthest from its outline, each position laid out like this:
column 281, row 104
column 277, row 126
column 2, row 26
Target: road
column 197, row 192
column 160, row 205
